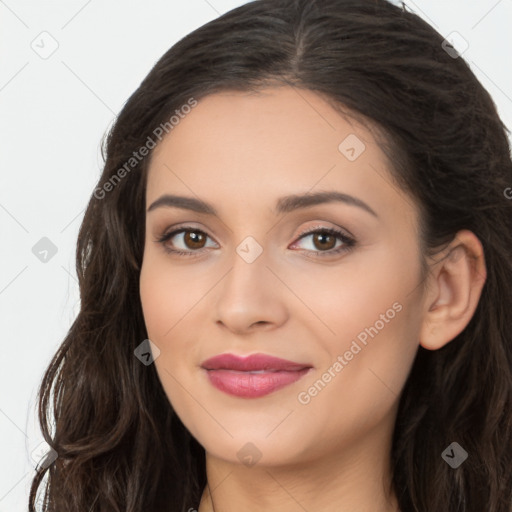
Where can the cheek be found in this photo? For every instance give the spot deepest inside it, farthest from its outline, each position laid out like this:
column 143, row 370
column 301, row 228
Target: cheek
column 171, row 297
column 374, row 319
column 155, row 297
column 165, row 302
column 369, row 290
column 168, row 294
column 358, row 386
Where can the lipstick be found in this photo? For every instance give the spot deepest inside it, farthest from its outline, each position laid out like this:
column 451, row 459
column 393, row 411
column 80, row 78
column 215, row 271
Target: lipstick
column 252, row 376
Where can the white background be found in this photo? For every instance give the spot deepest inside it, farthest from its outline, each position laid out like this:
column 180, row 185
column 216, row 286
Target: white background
column 54, row 112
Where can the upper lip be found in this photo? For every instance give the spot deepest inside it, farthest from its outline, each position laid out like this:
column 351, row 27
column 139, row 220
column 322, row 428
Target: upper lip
column 253, row 362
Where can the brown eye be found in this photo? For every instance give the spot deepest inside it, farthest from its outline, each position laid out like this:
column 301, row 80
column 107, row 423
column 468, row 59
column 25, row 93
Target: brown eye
column 185, row 241
column 194, row 239
column 324, row 241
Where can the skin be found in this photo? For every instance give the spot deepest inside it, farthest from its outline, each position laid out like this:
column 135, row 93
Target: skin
column 240, row 152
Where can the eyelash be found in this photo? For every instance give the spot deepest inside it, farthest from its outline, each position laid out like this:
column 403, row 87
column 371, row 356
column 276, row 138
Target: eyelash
column 349, row 243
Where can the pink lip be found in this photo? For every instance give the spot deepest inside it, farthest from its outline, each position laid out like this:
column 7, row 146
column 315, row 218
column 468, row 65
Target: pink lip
column 231, row 374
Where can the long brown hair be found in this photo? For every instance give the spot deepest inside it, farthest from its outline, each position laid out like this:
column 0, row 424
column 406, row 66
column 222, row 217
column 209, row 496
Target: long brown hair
column 120, row 445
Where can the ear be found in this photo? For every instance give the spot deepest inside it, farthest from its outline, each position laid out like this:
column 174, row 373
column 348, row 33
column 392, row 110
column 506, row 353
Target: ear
column 454, row 287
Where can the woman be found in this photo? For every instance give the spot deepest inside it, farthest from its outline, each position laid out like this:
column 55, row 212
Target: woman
column 294, row 272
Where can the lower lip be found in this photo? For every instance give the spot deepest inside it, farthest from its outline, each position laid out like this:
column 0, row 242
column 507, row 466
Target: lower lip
column 253, row 385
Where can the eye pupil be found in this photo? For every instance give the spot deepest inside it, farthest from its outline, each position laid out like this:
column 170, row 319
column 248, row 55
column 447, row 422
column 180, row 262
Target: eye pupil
column 193, row 237
column 322, row 237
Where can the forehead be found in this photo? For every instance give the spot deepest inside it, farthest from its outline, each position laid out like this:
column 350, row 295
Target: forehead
column 277, row 141
column 282, row 122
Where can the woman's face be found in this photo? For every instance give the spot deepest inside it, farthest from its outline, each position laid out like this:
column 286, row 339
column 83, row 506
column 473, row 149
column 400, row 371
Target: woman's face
column 348, row 313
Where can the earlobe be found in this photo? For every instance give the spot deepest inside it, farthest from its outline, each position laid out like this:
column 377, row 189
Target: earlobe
column 454, row 289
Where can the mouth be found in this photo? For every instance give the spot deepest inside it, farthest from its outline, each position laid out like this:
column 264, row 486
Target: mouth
column 253, row 376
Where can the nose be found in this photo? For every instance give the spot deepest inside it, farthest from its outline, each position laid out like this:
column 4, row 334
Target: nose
column 250, row 297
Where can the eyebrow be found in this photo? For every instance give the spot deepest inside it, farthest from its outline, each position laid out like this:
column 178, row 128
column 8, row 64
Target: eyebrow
column 284, row 204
